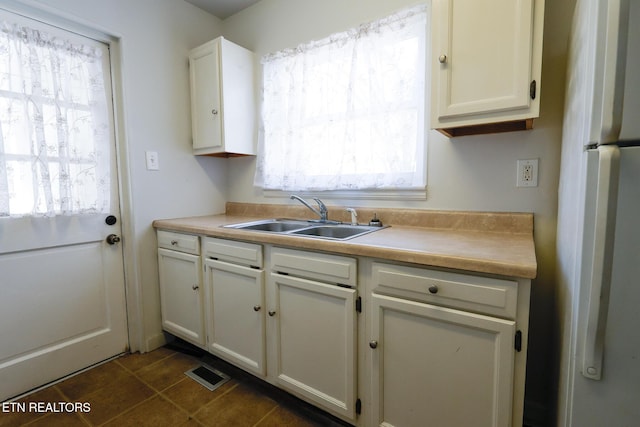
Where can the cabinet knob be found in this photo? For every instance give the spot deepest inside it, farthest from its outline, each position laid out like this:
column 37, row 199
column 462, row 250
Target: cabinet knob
column 442, row 59
column 256, row 308
column 433, row 289
column 195, row 287
column 174, row 242
column 214, row 111
column 373, row 344
column 272, row 313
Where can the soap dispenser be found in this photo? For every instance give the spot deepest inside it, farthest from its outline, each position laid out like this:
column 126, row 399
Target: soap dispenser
column 375, row 222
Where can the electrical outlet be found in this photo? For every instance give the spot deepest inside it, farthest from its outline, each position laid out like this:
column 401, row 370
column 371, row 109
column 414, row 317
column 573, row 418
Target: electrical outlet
column 527, row 173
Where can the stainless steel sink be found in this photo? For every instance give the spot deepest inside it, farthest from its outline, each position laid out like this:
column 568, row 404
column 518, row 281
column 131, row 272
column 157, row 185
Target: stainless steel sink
column 340, row 232
column 314, row 229
column 272, row 225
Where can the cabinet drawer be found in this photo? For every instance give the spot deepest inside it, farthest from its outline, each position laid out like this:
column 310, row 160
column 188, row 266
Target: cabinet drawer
column 318, row 266
column 179, row 242
column 485, row 295
column 229, row 250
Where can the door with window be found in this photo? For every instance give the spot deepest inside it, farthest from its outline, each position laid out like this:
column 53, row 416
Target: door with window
column 62, row 294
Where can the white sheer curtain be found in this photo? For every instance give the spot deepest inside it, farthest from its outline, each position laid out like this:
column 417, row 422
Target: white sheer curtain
column 54, row 125
column 347, row 112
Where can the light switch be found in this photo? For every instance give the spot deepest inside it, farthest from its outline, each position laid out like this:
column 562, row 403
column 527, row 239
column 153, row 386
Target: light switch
column 152, row 160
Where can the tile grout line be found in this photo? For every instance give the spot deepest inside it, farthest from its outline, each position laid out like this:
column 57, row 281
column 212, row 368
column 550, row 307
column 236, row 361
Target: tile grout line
column 127, row 410
column 68, row 399
column 213, row 400
column 164, row 396
column 129, row 371
column 267, row 414
column 156, row 392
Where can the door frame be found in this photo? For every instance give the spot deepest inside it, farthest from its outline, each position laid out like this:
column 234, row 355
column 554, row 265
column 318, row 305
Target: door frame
column 133, row 293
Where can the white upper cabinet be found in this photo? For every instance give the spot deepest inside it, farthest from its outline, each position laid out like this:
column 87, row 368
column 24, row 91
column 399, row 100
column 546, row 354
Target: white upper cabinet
column 222, row 99
column 486, row 63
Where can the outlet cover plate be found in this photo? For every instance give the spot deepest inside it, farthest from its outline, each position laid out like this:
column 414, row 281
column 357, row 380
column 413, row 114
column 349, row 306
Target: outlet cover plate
column 527, row 173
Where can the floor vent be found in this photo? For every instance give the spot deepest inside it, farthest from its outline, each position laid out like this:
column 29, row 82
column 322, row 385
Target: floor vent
column 207, row 376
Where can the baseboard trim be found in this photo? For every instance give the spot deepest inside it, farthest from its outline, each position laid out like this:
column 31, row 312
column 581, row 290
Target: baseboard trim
column 154, row 341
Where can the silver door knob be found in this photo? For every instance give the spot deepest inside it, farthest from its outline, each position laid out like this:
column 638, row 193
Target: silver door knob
column 373, row 344
column 442, row 59
column 112, row 239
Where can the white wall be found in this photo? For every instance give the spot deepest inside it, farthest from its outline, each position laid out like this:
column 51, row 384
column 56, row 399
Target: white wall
column 155, row 38
column 467, row 173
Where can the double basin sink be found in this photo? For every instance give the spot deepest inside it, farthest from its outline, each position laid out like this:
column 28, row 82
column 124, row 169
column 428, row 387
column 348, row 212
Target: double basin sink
column 325, row 230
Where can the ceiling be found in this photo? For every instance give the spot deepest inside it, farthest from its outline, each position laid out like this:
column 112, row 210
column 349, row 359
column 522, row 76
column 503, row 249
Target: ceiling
column 222, row 8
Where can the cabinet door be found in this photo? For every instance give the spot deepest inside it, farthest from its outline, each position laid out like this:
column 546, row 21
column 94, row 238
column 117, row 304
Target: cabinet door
column 181, row 295
column 435, row 366
column 235, row 301
column 314, row 327
column 206, row 109
column 482, row 56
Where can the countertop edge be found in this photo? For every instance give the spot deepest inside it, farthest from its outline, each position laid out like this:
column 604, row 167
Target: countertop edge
column 374, row 245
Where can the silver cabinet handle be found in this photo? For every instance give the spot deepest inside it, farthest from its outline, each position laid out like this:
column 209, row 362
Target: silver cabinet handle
column 373, row 344
column 214, row 112
column 272, row 313
column 195, row 287
column 433, row 289
column 174, row 242
column 442, row 59
column 256, row 308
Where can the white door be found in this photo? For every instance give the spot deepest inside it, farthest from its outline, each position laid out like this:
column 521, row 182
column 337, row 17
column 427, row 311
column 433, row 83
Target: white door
column 315, row 341
column 235, row 301
column 181, row 295
column 483, row 51
column 435, row 366
column 205, row 92
column 62, row 298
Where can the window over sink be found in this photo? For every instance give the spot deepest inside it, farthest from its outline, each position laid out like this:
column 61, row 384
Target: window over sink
column 347, row 112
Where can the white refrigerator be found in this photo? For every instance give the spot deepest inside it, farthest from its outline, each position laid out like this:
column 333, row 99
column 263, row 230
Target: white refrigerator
column 598, row 240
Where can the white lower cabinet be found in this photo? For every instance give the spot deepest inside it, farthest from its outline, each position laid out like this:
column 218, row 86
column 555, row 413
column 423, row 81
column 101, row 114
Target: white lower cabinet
column 407, row 345
column 235, row 300
column 234, row 289
column 181, row 295
column 299, row 333
column 312, row 328
column 314, row 342
column 435, row 364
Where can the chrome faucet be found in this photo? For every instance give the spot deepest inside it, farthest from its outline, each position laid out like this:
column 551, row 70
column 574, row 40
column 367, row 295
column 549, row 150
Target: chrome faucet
column 322, row 213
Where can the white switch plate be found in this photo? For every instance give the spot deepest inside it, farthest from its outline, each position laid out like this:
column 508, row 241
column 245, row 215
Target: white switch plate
column 152, row 160
column 527, row 173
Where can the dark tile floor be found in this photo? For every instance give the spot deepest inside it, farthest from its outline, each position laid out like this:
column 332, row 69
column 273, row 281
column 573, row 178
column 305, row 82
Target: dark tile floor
column 152, row 390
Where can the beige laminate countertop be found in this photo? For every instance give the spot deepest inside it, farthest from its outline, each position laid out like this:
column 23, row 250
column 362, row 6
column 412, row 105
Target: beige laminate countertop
column 494, row 243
